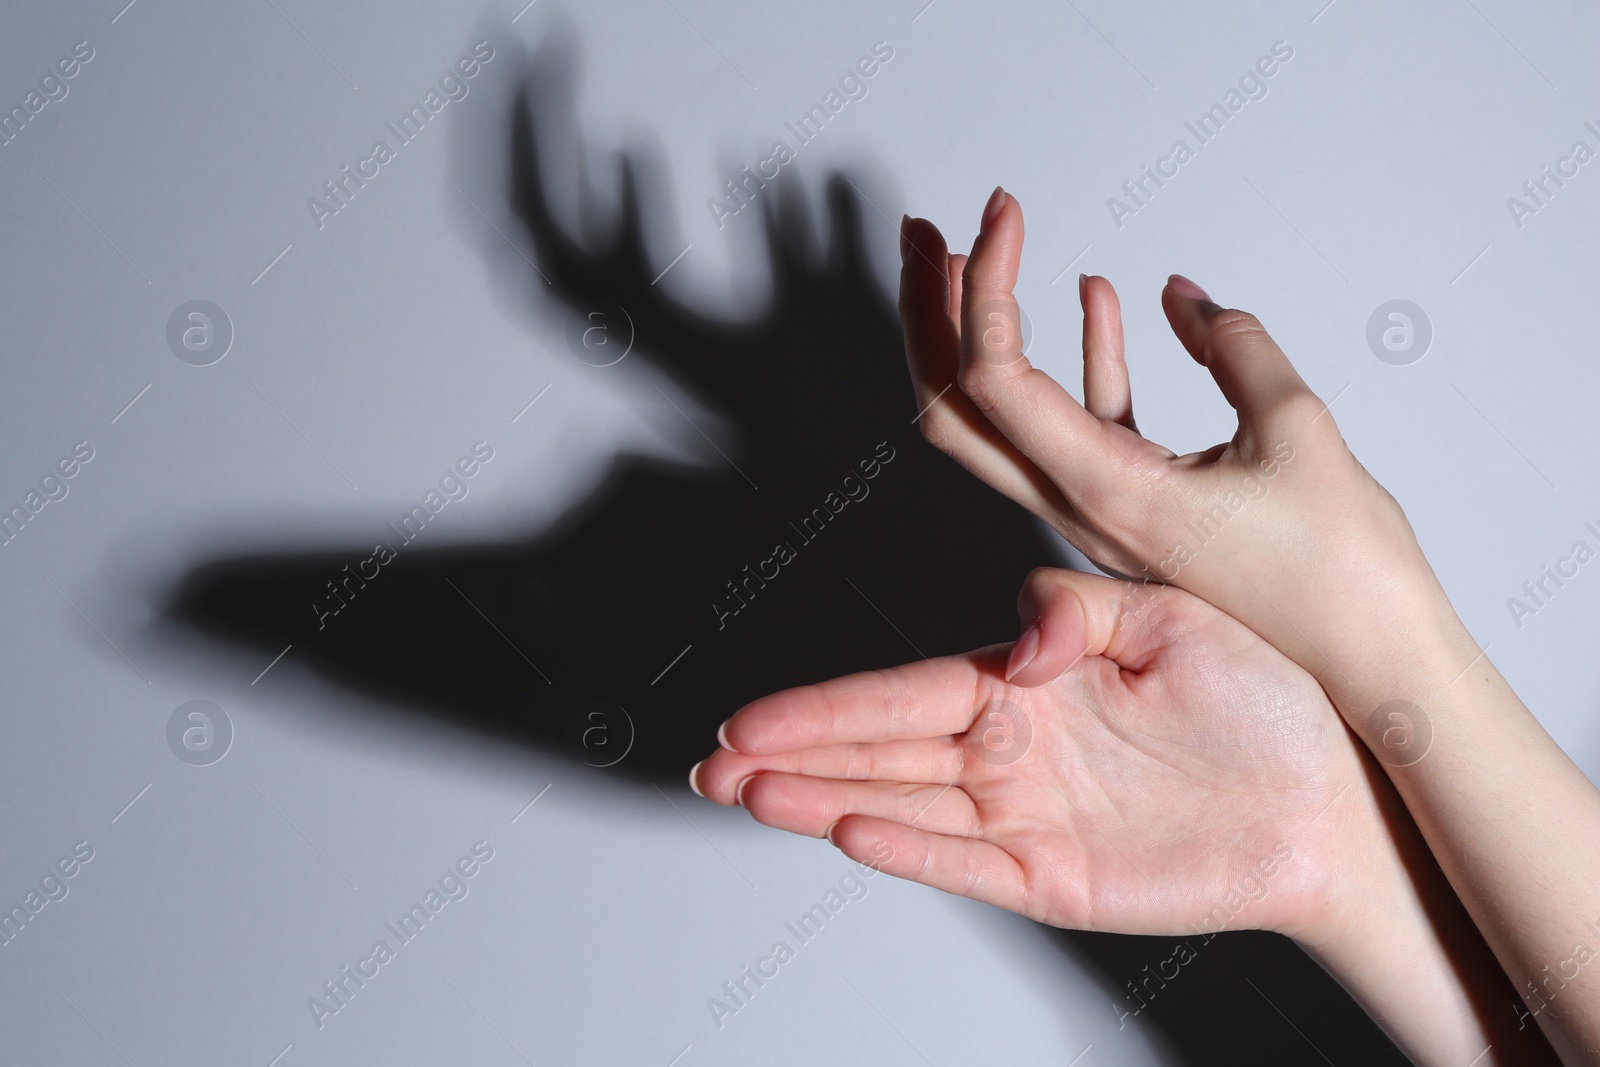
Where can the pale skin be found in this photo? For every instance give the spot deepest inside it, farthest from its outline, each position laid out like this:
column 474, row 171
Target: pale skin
column 1325, row 567
column 1150, row 766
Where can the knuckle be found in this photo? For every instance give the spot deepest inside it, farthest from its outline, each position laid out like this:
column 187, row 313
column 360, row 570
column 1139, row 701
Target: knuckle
column 913, row 803
column 971, row 874
column 940, row 427
column 1041, row 579
column 1038, row 589
column 924, row 861
column 972, row 822
column 1103, row 505
column 1233, row 323
column 1030, row 901
column 1302, row 407
column 1232, row 330
column 977, row 382
column 858, row 763
column 897, row 702
column 753, row 795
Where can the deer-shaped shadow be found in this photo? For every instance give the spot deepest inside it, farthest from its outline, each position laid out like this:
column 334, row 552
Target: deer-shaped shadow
column 824, row 537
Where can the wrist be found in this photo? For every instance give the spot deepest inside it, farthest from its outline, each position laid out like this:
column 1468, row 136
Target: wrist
column 1363, row 896
column 1408, row 652
column 1390, row 929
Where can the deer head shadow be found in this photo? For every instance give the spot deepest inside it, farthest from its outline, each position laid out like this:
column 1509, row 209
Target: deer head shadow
column 824, row 537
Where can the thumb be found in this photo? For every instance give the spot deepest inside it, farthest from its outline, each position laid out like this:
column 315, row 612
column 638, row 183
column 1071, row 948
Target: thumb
column 1255, row 377
column 1068, row 615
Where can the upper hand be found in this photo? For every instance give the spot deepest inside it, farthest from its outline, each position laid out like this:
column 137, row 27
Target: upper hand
column 1279, row 526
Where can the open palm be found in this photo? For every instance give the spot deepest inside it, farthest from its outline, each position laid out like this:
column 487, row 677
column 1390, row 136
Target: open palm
column 1181, row 776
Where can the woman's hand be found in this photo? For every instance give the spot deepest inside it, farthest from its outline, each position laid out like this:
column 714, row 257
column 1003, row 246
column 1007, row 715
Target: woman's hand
column 1280, row 526
column 1151, row 766
column 1182, row 764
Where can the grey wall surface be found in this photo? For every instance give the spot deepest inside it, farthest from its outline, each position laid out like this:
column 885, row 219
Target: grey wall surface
column 347, row 359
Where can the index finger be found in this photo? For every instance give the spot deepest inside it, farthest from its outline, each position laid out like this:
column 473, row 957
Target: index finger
column 1034, row 411
column 930, row 698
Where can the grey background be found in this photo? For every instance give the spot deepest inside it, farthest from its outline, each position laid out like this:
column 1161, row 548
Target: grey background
column 380, row 346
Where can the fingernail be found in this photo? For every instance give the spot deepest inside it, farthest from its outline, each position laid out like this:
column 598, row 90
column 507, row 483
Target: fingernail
column 1083, row 287
column 692, row 783
column 738, row 790
column 829, row 834
column 1024, row 650
column 905, row 238
column 722, row 738
column 1186, row 289
column 991, row 210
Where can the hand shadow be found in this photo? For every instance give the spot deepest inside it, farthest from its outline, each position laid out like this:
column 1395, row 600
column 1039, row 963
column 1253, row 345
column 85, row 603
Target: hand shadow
column 824, row 537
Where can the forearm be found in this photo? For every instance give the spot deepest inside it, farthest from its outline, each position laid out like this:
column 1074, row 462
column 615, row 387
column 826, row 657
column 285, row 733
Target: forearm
column 1399, row 940
column 1513, row 823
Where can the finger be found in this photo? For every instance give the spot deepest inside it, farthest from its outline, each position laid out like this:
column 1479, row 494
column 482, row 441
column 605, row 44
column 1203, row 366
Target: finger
column 930, row 698
column 991, row 335
column 1106, row 392
column 936, row 760
column 1251, row 370
column 933, row 343
column 966, row 866
column 930, row 309
column 803, row 805
column 957, row 264
column 1029, row 407
column 1068, row 615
